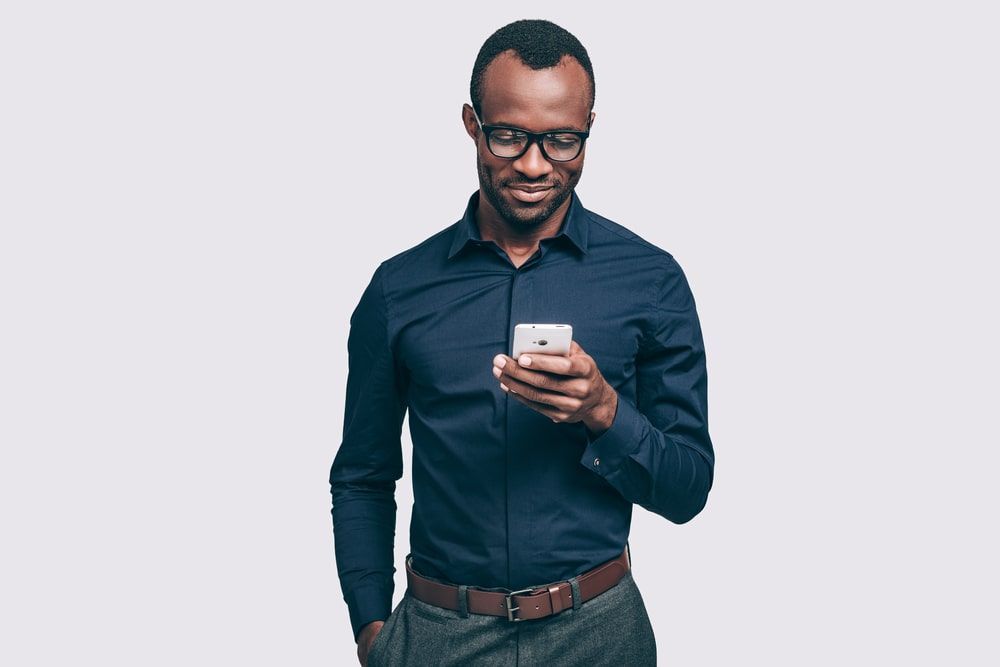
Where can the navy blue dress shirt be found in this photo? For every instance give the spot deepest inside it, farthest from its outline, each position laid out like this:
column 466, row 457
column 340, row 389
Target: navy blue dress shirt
column 502, row 495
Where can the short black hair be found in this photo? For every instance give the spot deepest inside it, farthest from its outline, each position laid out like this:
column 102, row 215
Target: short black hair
column 538, row 43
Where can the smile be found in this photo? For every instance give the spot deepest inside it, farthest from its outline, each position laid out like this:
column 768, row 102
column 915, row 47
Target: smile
column 529, row 196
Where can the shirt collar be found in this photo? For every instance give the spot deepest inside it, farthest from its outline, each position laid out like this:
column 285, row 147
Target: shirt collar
column 574, row 226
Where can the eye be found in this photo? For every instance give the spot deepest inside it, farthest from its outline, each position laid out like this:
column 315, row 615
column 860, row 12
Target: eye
column 563, row 140
column 507, row 136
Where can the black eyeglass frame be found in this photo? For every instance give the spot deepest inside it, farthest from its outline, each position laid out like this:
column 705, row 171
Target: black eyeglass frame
column 533, row 137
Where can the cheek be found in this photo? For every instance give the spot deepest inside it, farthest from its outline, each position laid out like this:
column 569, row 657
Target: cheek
column 569, row 175
column 494, row 169
column 486, row 170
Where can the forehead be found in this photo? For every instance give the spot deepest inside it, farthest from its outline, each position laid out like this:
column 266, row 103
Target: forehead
column 553, row 97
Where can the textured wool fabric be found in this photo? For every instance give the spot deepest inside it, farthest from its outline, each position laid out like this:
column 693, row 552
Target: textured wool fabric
column 611, row 629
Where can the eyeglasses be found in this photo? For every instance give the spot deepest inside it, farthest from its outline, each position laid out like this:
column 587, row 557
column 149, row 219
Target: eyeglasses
column 512, row 142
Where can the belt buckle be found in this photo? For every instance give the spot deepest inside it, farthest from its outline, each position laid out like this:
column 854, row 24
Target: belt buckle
column 508, row 601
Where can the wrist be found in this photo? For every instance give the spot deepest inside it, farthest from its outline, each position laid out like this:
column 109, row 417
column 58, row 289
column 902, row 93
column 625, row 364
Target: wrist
column 368, row 629
column 604, row 413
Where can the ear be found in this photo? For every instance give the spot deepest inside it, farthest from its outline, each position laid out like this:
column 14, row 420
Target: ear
column 592, row 117
column 469, row 120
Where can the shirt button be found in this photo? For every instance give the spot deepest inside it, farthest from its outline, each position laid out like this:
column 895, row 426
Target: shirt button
column 597, row 462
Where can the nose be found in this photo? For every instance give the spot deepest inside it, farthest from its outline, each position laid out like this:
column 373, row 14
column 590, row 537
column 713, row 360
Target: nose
column 533, row 164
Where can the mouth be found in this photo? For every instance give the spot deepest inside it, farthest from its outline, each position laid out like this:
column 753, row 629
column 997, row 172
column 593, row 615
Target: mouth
column 529, row 194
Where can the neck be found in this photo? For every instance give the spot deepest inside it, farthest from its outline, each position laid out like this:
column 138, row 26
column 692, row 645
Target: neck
column 515, row 239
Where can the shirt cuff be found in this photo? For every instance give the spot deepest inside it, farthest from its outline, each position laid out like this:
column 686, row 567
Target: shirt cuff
column 367, row 604
column 606, row 453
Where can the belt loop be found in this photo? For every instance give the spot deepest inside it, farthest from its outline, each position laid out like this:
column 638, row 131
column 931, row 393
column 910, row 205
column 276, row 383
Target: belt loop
column 577, row 598
column 463, row 601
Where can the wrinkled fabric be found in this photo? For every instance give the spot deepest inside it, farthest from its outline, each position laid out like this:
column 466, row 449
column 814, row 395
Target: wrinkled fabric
column 504, row 496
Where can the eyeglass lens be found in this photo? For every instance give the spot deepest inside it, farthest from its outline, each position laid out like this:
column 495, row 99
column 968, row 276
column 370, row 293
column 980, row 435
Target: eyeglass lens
column 557, row 146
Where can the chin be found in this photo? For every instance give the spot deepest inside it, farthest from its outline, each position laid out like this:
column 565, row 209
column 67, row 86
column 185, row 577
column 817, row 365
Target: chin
column 526, row 215
column 536, row 211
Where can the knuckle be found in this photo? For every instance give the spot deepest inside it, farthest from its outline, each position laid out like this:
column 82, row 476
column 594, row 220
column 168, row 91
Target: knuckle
column 542, row 381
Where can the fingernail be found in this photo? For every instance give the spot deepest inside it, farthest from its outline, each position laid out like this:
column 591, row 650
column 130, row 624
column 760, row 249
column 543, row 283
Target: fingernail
column 524, row 361
column 497, row 372
column 504, row 387
column 499, row 360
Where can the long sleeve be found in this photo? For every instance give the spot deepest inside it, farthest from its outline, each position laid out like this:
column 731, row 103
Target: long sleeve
column 368, row 463
column 658, row 453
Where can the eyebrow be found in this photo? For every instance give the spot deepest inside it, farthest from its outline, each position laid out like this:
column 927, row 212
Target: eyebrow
column 516, row 127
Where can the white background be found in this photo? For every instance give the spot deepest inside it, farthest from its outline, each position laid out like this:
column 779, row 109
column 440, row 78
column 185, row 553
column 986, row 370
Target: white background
column 193, row 196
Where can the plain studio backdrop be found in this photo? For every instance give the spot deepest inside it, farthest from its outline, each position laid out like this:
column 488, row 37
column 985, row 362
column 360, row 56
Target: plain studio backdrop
column 193, row 196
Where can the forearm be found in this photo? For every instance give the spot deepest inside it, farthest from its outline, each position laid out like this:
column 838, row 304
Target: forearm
column 368, row 463
column 657, row 451
column 659, row 471
column 364, row 521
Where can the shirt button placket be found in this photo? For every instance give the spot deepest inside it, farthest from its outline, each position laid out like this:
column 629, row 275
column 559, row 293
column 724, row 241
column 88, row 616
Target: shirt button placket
column 518, row 443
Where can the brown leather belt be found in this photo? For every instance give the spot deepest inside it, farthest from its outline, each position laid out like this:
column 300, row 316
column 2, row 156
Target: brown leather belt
column 525, row 604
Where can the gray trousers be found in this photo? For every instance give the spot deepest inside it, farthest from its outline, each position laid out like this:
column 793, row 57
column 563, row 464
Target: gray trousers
column 610, row 629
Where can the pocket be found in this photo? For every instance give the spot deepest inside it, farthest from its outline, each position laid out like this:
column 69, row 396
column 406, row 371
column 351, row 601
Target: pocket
column 431, row 633
column 609, row 630
column 431, row 613
column 619, row 613
column 382, row 637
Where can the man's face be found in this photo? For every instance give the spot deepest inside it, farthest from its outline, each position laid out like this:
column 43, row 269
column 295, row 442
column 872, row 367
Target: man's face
column 514, row 95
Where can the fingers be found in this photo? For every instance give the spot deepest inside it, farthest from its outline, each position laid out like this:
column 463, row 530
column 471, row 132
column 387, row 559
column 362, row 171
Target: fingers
column 552, row 413
column 556, row 386
column 552, row 400
column 558, row 364
column 544, row 380
column 550, row 363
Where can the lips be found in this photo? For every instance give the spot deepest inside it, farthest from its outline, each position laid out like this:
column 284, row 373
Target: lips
column 530, row 194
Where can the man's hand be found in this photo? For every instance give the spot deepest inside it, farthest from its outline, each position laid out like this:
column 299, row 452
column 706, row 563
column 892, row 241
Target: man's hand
column 563, row 388
column 365, row 639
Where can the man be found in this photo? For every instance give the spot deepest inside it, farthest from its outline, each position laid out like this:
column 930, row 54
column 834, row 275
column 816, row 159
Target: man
column 524, row 471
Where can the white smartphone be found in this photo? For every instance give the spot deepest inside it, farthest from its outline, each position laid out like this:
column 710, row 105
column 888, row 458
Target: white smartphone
column 547, row 338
